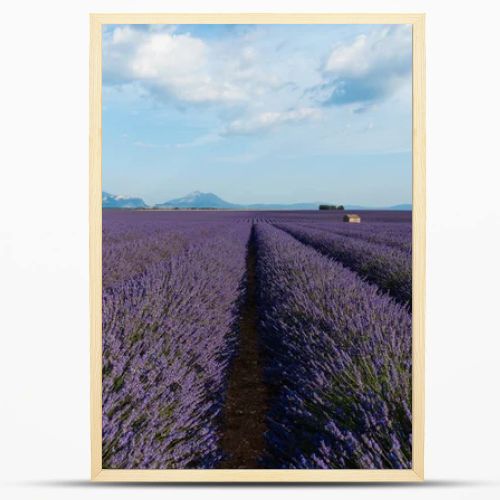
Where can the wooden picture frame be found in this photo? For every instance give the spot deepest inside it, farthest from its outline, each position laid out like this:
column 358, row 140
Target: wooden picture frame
column 264, row 475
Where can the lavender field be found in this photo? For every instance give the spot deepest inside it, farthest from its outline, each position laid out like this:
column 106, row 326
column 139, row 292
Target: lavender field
column 238, row 339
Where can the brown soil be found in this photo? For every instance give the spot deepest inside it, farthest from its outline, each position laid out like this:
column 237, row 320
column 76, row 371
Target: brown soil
column 243, row 421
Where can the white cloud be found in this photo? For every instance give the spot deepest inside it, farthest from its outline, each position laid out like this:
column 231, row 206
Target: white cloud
column 186, row 67
column 388, row 48
column 271, row 119
column 172, row 64
column 369, row 68
column 254, row 80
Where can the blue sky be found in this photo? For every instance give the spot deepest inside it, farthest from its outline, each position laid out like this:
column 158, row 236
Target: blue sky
column 258, row 113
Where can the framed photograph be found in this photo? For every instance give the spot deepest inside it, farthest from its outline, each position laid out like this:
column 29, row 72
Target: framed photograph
column 257, row 247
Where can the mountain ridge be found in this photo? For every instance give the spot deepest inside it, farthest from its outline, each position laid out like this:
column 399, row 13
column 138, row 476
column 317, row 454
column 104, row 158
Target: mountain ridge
column 200, row 200
column 120, row 201
column 197, row 199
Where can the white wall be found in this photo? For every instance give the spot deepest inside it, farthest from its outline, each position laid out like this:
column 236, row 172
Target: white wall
column 44, row 421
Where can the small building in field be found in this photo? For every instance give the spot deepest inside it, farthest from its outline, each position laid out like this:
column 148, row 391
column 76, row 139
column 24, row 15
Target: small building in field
column 352, row 218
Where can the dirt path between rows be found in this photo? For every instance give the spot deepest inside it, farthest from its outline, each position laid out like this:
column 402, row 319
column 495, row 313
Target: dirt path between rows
column 243, row 421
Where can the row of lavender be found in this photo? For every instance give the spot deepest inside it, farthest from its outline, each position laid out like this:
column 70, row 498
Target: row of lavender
column 168, row 337
column 133, row 241
column 338, row 355
column 386, row 266
column 338, row 350
column 389, row 234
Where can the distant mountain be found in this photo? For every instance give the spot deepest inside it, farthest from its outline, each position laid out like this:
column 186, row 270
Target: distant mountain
column 118, row 201
column 404, row 207
column 197, row 199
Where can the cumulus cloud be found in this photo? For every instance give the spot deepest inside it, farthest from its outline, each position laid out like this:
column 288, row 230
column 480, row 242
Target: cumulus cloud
column 166, row 62
column 185, row 67
column 368, row 69
column 271, row 119
column 255, row 79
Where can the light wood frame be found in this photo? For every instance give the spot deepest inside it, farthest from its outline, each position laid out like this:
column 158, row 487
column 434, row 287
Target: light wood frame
column 258, row 475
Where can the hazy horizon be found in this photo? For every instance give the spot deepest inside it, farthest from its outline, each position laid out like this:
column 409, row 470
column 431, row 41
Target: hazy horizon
column 125, row 195
column 259, row 114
